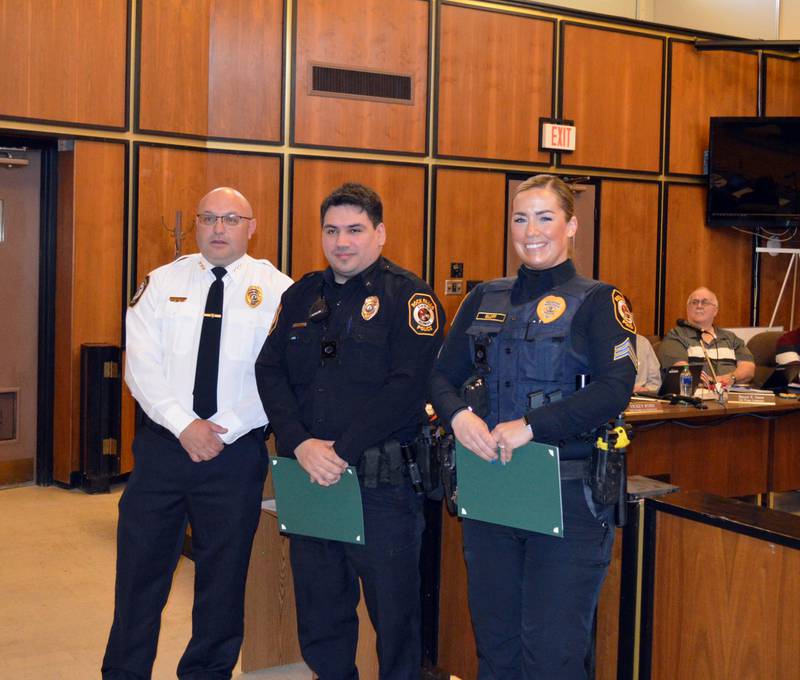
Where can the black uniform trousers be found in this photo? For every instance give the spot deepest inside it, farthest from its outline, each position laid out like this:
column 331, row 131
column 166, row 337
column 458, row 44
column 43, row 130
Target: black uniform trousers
column 221, row 498
column 532, row 597
column 326, row 584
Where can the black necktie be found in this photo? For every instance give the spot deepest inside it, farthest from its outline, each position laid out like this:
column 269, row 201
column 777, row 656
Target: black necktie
column 207, row 370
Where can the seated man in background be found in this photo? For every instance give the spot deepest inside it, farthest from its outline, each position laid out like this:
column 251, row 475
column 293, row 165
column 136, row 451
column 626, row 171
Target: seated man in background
column 648, row 369
column 787, row 351
column 696, row 340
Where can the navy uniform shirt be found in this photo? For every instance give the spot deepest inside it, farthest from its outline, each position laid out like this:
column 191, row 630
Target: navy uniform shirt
column 598, row 330
column 358, row 377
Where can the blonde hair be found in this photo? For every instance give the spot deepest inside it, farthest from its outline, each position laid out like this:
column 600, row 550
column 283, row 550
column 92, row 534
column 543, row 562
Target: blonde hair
column 564, row 195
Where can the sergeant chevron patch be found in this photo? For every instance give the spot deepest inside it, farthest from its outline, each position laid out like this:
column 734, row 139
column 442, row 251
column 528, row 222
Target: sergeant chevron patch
column 626, row 349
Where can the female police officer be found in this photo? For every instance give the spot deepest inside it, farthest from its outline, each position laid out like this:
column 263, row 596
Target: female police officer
column 532, row 596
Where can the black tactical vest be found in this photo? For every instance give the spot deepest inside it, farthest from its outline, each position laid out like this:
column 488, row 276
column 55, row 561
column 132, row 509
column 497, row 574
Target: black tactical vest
column 520, row 349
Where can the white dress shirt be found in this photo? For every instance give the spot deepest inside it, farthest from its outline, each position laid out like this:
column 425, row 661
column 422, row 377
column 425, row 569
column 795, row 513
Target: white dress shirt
column 163, row 327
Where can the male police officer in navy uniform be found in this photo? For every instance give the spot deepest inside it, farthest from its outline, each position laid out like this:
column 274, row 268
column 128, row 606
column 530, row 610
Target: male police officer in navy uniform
column 194, row 329
column 343, row 380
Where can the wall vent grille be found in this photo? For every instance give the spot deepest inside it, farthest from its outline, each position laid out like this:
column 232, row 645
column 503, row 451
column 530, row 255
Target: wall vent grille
column 332, row 81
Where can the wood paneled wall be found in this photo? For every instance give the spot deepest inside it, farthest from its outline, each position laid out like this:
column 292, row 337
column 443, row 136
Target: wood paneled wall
column 215, row 70
column 782, row 94
column 375, row 35
column 64, row 61
column 705, row 84
column 91, row 228
column 402, row 188
column 172, row 179
column 212, row 69
column 470, row 228
column 628, row 245
column 697, row 255
column 495, row 82
column 612, row 90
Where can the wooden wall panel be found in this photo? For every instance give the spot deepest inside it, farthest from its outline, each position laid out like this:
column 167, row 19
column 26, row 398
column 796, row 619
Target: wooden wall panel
column 705, row 84
column 176, row 179
column 628, row 248
column 91, row 224
column 771, row 275
column 64, row 61
column 725, row 604
column 697, row 255
column 457, row 652
column 495, row 82
column 730, row 460
column 402, row 191
column 212, row 68
column 784, row 472
column 470, row 228
column 612, row 89
column 782, row 91
column 390, row 37
column 127, row 427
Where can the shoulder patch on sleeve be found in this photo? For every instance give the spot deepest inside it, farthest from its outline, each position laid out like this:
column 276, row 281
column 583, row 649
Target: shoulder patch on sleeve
column 626, row 349
column 622, row 311
column 275, row 319
column 139, row 291
column 423, row 316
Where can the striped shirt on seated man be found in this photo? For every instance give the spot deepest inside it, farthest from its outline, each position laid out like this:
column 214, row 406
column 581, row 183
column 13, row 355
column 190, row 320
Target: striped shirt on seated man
column 696, row 340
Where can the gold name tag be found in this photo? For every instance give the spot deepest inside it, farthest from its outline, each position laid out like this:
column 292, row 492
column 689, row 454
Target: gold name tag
column 300, row 324
column 175, row 298
column 491, row 316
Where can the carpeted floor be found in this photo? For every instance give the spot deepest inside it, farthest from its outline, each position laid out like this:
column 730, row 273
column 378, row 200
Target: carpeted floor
column 57, row 556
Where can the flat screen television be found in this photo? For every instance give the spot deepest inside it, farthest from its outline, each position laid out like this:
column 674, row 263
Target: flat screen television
column 754, row 172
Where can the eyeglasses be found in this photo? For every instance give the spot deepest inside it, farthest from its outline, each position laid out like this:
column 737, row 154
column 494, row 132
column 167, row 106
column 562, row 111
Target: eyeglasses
column 705, row 302
column 229, row 220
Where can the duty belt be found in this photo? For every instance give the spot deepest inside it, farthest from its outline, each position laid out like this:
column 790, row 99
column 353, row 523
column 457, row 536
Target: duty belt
column 382, row 464
column 572, row 469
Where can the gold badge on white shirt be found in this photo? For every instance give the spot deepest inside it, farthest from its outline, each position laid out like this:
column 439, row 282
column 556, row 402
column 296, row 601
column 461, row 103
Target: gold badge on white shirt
column 254, row 296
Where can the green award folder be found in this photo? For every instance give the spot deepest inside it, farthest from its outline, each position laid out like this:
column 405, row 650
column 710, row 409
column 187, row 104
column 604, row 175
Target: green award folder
column 332, row 512
column 524, row 494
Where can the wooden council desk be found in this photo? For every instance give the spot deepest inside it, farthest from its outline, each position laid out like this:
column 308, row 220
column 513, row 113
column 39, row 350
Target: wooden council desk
column 732, row 450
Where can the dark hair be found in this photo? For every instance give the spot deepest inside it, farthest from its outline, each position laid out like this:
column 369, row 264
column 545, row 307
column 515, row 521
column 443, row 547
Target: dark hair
column 358, row 196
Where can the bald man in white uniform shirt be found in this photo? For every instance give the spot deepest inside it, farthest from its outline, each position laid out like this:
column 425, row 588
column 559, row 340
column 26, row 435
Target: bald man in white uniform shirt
column 193, row 331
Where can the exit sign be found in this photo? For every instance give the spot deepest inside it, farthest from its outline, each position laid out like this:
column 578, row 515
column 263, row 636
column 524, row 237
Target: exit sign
column 556, row 135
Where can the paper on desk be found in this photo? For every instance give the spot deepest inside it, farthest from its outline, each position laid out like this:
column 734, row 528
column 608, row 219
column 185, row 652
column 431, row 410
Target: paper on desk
column 331, row 512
